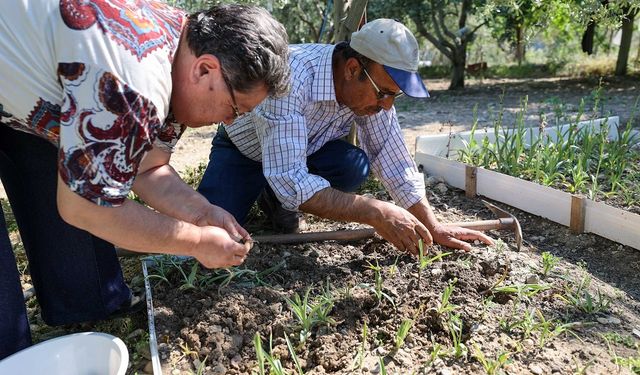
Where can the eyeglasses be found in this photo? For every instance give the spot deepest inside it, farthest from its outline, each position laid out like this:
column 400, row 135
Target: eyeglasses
column 380, row 95
column 234, row 106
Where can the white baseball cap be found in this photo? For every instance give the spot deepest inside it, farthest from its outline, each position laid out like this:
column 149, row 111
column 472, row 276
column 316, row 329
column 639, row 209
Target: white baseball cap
column 392, row 45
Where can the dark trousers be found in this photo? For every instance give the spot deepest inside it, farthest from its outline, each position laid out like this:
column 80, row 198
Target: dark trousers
column 77, row 277
column 233, row 181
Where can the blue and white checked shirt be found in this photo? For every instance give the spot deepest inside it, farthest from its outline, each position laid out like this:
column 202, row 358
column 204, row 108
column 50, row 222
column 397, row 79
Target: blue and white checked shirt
column 283, row 132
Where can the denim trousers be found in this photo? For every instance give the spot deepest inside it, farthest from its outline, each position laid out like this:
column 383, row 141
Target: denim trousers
column 234, row 182
column 77, row 277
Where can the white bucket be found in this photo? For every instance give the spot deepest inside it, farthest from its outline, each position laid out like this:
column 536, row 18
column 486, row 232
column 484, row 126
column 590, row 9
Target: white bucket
column 86, row 353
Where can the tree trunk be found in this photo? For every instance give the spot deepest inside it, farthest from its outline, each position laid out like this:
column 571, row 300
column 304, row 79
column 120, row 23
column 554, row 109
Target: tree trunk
column 347, row 16
column 459, row 63
column 520, row 44
column 587, row 38
column 625, row 43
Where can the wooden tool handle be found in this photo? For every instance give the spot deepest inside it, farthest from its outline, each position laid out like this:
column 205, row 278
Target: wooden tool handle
column 484, row 224
column 338, row 235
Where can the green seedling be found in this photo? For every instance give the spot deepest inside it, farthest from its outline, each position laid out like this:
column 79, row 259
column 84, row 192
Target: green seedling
column 263, row 357
column 294, row 356
column 625, row 340
column 383, row 368
column 578, row 296
column 549, row 262
column 402, row 333
column 201, row 366
column 377, row 289
column 160, row 269
column 455, row 330
column 435, row 353
column 522, row 291
column 632, row 363
column 190, row 279
column 310, row 313
column 185, row 351
column 445, row 307
column 423, row 260
column 491, row 366
column 550, row 329
column 358, row 360
column 224, row 277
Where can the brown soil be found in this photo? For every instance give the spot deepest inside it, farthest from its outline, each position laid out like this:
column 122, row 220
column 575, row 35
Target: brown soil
column 219, row 323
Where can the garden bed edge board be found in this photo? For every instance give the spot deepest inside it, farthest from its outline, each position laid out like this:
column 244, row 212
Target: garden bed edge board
column 606, row 221
column 153, row 341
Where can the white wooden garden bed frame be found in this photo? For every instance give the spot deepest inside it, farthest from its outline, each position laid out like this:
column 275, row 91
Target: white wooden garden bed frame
column 580, row 214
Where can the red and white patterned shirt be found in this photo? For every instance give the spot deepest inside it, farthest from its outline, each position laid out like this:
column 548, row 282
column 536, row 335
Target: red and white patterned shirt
column 94, row 78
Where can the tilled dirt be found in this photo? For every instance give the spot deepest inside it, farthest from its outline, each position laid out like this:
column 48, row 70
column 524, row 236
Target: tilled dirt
column 541, row 333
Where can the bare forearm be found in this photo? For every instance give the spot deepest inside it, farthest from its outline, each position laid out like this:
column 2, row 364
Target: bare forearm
column 163, row 189
column 336, row 205
column 131, row 226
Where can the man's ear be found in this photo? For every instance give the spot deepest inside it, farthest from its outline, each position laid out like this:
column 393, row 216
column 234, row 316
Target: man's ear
column 204, row 68
column 351, row 68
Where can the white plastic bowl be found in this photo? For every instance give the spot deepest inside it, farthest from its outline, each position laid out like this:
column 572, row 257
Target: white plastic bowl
column 86, row 353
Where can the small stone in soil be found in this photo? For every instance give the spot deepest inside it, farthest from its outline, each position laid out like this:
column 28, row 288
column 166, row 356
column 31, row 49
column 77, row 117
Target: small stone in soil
column 536, row 369
column 532, row 279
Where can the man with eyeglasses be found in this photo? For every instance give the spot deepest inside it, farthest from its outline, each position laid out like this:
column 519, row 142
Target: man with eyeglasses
column 288, row 154
column 94, row 96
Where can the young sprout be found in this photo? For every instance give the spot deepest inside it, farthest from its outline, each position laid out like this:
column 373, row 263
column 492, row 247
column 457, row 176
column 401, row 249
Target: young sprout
column 491, row 366
column 264, row 357
column 455, row 330
column 402, row 333
column 445, row 306
column 357, row 361
column 377, row 289
column 425, row 261
column 549, row 262
column 578, row 296
column 310, row 313
column 294, row 356
column 383, row 368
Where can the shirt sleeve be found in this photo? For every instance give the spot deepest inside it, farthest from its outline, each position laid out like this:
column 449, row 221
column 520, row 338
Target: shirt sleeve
column 106, row 127
column 282, row 130
column 381, row 138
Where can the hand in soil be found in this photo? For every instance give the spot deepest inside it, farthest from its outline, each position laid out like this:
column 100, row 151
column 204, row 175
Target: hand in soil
column 217, row 249
column 401, row 228
column 454, row 237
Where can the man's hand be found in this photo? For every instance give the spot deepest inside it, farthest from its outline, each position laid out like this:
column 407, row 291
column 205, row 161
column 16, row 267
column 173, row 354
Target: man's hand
column 219, row 217
column 455, row 237
column 216, row 249
column 401, row 228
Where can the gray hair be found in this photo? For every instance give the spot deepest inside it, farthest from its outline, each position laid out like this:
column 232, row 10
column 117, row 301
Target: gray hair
column 251, row 45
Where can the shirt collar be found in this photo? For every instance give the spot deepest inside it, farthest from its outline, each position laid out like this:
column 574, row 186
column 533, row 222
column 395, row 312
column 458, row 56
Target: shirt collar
column 323, row 88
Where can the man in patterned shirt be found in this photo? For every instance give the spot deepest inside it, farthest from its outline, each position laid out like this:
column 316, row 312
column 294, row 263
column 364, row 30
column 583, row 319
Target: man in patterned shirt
column 93, row 96
column 291, row 146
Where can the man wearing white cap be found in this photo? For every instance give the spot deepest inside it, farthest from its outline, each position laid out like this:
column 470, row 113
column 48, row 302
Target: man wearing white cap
column 288, row 153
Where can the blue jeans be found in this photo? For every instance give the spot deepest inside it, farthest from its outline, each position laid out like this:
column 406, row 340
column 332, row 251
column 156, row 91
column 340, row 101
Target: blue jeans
column 77, row 277
column 233, row 181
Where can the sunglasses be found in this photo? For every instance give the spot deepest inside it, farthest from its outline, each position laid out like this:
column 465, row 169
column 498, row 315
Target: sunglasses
column 380, row 95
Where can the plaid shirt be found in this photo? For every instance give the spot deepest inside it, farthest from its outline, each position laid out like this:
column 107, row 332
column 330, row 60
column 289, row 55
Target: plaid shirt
column 283, row 132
